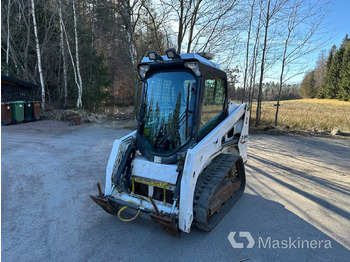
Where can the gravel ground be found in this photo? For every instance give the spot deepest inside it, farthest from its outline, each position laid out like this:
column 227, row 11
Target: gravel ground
column 298, row 189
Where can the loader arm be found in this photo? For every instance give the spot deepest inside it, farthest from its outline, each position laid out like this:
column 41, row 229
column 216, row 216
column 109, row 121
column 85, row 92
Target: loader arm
column 115, row 158
column 201, row 154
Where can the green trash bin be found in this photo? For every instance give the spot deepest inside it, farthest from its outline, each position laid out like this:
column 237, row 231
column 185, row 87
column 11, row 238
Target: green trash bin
column 28, row 111
column 17, row 112
column 6, row 114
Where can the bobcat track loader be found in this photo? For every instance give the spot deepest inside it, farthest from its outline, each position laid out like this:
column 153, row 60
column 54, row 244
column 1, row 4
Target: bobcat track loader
column 184, row 165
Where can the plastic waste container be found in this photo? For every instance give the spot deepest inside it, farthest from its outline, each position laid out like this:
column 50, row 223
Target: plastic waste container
column 28, row 111
column 17, row 112
column 36, row 110
column 6, row 114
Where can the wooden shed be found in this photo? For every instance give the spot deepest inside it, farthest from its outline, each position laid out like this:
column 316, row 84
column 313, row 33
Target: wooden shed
column 13, row 89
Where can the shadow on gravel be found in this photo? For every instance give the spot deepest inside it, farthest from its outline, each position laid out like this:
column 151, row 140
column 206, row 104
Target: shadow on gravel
column 314, row 198
column 267, row 221
column 323, row 182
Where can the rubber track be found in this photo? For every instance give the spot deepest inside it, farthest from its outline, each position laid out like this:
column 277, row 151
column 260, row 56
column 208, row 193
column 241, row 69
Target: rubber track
column 205, row 189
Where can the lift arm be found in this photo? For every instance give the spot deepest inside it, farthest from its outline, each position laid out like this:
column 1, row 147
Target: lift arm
column 208, row 148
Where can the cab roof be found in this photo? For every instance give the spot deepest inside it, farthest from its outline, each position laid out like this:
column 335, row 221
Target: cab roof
column 190, row 56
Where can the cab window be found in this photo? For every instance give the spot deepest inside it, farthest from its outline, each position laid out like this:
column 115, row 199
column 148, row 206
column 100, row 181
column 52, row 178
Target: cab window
column 212, row 105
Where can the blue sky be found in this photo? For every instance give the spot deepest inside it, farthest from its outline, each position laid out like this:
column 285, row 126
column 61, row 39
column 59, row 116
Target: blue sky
column 341, row 15
column 337, row 24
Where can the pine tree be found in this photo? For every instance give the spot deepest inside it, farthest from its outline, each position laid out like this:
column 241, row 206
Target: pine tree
column 344, row 91
column 337, row 78
column 331, row 55
column 323, row 92
column 333, row 80
column 307, row 87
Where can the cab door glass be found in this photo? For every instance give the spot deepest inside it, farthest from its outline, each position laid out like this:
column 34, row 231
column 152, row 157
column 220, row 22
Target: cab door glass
column 212, row 104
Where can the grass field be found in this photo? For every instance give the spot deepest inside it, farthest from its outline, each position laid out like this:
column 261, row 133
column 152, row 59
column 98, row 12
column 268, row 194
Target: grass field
column 307, row 114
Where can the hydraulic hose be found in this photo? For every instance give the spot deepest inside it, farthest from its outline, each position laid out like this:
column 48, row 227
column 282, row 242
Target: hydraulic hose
column 137, row 213
column 127, row 219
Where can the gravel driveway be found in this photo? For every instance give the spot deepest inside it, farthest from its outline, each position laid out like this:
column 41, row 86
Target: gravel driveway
column 295, row 207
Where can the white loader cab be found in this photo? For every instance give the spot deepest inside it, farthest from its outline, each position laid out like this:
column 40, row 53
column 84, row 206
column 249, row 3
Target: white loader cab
column 184, row 165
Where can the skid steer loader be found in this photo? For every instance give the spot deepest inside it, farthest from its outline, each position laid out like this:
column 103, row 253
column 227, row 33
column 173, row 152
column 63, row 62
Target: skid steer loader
column 184, row 165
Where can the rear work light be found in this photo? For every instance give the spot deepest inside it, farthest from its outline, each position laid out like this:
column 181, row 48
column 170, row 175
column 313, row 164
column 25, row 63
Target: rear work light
column 153, row 55
column 171, row 53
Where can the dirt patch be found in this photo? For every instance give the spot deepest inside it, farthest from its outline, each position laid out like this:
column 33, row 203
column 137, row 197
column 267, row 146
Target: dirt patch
column 271, row 130
column 119, row 113
column 119, row 116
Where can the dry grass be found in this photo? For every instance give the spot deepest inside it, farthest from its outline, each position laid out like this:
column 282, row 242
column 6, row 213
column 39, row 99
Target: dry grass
column 307, row 114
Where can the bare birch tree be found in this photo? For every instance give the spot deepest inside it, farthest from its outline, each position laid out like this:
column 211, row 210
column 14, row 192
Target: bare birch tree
column 270, row 12
column 156, row 25
column 254, row 65
column 258, row 107
column 199, row 21
column 131, row 11
column 80, row 86
column 39, row 56
column 63, row 53
column 297, row 43
column 247, row 49
column 71, row 57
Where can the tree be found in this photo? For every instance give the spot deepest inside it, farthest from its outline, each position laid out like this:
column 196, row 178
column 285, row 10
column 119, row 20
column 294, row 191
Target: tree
column 297, row 43
column 320, row 71
column 307, row 87
column 80, row 86
column 131, row 11
column 333, row 79
column 323, row 92
column 39, row 56
column 254, row 64
column 266, row 25
column 63, row 54
column 8, row 36
column 200, row 21
column 247, row 49
column 344, row 90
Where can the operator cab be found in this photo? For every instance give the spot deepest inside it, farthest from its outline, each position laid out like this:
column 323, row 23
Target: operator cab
column 183, row 97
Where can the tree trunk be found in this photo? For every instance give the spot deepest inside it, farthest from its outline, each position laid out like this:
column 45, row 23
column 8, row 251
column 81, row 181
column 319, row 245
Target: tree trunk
column 247, row 52
column 258, row 108
column 281, row 77
column 26, row 50
column 181, row 25
column 80, row 86
column 8, row 37
column 130, row 33
column 71, row 57
column 39, row 57
column 254, row 67
column 193, row 23
column 63, row 54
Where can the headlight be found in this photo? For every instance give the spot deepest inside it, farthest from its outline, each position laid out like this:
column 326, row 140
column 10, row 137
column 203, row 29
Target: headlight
column 194, row 66
column 143, row 70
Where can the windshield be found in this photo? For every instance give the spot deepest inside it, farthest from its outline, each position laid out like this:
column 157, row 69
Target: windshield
column 169, row 98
